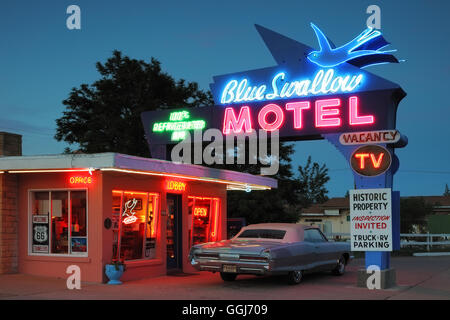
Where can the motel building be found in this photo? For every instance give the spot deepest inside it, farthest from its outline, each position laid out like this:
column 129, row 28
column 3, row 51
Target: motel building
column 86, row 209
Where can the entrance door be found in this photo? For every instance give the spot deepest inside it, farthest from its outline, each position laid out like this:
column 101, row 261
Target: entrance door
column 173, row 232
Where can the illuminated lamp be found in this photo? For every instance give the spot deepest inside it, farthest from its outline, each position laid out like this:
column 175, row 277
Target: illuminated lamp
column 354, row 118
column 279, row 117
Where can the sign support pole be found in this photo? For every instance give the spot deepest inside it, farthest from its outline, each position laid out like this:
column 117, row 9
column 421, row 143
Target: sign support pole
column 381, row 259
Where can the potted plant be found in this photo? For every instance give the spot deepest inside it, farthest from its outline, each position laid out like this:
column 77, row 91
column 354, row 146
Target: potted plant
column 114, row 271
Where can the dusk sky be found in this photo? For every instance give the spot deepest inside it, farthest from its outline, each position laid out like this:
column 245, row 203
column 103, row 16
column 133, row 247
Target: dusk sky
column 41, row 60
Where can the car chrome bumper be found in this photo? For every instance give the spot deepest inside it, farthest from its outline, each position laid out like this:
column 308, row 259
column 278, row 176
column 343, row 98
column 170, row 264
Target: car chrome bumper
column 216, row 265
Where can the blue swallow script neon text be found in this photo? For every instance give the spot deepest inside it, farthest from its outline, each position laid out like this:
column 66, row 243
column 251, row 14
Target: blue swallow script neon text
column 324, row 82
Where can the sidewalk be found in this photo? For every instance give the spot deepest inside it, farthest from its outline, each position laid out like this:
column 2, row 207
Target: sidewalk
column 417, row 278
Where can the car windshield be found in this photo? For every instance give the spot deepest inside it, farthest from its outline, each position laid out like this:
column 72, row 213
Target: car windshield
column 263, row 234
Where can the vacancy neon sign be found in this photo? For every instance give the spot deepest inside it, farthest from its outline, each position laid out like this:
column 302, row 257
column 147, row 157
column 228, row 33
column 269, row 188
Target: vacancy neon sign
column 323, row 82
column 327, row 113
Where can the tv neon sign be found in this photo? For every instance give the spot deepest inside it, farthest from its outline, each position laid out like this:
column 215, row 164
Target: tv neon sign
column 327, row 113
column 323, row 82
column 179, row 122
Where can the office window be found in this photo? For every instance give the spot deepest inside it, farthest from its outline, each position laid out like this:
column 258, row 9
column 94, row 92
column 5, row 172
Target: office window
column 58, row 222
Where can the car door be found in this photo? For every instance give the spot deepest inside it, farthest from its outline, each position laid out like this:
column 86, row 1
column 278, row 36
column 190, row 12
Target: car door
column 323, row 252
column 326, row 253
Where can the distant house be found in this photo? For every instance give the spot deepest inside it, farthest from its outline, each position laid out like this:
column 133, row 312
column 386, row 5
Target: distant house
column 333, row 216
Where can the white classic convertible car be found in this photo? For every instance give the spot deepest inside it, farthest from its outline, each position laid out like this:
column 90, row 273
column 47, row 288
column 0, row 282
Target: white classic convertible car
column 272, row 248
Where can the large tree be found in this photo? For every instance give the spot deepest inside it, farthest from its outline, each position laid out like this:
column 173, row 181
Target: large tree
column 105, row 115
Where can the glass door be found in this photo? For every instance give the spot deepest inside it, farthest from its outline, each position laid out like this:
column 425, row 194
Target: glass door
column 173, row 231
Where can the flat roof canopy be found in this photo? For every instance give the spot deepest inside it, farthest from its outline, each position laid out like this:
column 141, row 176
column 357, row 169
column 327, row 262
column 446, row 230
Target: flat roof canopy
column 134, row 165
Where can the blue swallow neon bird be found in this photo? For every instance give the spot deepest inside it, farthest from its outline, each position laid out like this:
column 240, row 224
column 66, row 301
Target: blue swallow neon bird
column 362, row 51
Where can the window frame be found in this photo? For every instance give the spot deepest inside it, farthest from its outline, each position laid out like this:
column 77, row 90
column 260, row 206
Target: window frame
column 30, row 223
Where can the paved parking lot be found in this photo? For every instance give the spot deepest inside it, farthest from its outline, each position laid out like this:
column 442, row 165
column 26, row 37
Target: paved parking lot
column 417, row 278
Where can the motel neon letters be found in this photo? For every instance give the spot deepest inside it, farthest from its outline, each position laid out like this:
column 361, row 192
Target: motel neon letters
column 327, row 113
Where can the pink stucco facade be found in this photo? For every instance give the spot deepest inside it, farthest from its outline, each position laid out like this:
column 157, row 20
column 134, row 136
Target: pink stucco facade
column 99, row 237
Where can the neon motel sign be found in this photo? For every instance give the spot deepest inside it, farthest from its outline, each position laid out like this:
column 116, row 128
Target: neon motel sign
column 327, row 113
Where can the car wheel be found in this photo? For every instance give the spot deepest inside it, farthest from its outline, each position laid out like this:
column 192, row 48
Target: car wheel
column 339, row 270
column 295, row 277
column 228, row 276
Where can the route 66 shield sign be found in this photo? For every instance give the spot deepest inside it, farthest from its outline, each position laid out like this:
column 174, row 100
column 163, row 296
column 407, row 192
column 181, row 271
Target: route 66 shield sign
column 40, row 234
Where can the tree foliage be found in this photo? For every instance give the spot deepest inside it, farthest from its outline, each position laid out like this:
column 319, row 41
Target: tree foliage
column 312, row 182
column 105, row 116
column 282, row 204
column 413, row 212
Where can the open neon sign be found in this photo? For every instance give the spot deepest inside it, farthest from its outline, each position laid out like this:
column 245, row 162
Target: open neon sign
column 200, row 212
column 327, row 113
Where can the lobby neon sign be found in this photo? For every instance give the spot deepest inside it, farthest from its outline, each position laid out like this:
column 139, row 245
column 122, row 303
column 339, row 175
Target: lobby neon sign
column 323, row 82
column 327, row 113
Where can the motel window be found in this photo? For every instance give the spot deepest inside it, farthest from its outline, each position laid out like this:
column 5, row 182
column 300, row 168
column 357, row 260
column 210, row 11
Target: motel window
column 135, row 224
column 205, row 213
column 58, row 222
